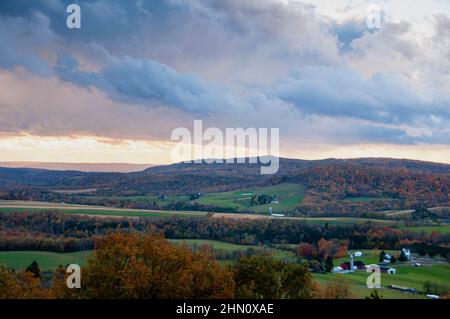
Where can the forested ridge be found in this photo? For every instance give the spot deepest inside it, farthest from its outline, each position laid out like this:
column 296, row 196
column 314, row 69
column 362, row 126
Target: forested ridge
column 329, row 184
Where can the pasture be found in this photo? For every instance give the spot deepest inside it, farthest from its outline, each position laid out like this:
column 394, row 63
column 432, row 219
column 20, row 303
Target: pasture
column 441, row 229
column 290, row 195
column 46, row 260
column 36, row 207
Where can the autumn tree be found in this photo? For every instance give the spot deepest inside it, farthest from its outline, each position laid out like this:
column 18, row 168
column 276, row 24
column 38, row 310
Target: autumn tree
column 339, row 289
column 306, row 250
column 21, row 285
column 148, row 266
column 9, row 284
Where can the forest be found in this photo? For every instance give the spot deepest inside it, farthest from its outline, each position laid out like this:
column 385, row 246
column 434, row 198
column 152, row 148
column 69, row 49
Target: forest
column 66, row 233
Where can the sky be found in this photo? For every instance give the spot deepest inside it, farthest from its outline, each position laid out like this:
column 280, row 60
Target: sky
column 114, row 90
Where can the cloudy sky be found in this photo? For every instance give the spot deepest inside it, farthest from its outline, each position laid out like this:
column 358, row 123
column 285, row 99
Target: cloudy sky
column 114, row 90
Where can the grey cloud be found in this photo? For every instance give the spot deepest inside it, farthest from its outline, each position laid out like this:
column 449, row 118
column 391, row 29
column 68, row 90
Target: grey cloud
column 151, row 83
column 342, row 92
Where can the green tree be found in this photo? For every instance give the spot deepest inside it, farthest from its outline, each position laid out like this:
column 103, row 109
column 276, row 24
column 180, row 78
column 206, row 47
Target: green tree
column 258, row 277
column 329, row 264
column 34, row 269
column 382, row 256
column 297, row 282
column 265, row 277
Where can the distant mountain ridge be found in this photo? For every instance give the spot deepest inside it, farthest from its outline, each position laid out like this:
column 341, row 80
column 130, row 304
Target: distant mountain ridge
column 182, row 177
column 82, row 167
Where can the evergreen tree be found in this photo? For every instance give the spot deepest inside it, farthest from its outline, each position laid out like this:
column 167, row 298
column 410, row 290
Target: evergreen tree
column 34, row 269
column 382, row 256
column 329, row 264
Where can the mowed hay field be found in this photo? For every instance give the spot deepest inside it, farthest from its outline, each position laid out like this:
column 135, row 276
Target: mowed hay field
column 290, row 196
column 441, row 229
column 36, row 207
column 46, row 260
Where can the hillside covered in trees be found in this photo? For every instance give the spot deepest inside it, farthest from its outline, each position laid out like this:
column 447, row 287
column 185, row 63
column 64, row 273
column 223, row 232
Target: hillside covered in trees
column 331, row 186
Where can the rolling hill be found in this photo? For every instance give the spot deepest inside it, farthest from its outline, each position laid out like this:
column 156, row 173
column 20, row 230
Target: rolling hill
column 333, row 186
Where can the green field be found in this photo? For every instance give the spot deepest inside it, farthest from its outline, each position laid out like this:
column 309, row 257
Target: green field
column 50, row 260
column 407, row 276
column 442, row 229
column 46, row 260
column 290, row 196
column 369, row 256
column 36, row 207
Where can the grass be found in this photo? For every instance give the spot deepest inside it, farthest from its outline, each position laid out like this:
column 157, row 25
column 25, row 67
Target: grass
column 369, row 256
column 36, row 207
column 442, row 229
column 290, row 194
column 46, row 260
column 407, row 276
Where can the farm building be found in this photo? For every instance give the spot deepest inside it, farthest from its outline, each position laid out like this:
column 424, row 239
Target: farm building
column 388, row 270
column 407, row 253
column 357, row 265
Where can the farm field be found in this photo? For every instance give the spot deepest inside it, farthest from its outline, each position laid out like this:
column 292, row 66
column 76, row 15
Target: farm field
column 407, row 276
column 51, row 260
column 23, row 206
column 290, row 196
column 46, row 260
column 442, row 229
column 102, row 211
